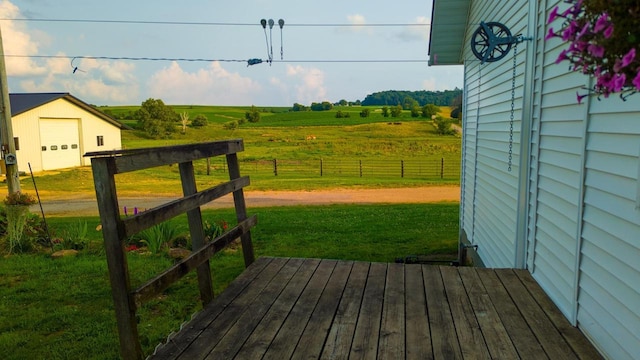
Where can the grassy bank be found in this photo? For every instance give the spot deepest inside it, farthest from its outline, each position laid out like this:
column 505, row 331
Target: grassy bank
column 62, row 309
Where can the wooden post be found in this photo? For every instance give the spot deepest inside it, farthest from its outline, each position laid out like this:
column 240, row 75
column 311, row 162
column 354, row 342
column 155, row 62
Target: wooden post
column 360, row 168
column 113, row 233
column 401, row 168
column 194, row 218
column 275, row 167
column 442, row 168
column 241, row 209
column 321, row 167
column 6, row 130
column 208, row 166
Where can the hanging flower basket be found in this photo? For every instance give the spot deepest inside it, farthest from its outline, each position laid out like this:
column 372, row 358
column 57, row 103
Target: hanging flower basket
column 603, row 39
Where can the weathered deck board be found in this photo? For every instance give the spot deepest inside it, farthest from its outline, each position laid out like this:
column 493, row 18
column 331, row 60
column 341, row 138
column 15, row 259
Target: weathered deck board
column 310, row 309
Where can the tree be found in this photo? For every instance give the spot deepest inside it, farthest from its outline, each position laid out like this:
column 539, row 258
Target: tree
column 253, row 115
column 299, row 107
column 385, row 111
column 365, row 113
column 415, row 111
column 408, row 103
column 456, row 104
column 199, row 121
column 396, row 111
column 184, row 120
column 443, row 126
column 156, row 119
column 429, row 110
column 343, row 102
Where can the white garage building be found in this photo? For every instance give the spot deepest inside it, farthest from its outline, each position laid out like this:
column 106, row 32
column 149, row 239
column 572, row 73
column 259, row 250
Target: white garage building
column 53, row 130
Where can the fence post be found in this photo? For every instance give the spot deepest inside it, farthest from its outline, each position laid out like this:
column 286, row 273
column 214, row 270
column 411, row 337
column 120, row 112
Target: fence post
column 320, row 167
column 360, row 168
column 442, row 168
column 208, row 166
column 401, row 168
column 275, row 167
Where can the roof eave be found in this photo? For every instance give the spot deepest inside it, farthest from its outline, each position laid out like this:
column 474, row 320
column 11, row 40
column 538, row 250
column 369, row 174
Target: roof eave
column 449, row 20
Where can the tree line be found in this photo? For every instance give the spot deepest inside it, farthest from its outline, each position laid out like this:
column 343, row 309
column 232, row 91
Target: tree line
column 422, row 97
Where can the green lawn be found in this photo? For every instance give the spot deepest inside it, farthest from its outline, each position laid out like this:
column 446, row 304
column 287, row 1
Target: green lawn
column 62, row 309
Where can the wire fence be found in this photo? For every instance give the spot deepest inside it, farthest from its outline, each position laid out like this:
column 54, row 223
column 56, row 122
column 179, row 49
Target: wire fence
column 428, row 169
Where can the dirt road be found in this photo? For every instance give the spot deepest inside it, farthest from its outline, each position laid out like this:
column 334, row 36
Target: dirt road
column 88, row 207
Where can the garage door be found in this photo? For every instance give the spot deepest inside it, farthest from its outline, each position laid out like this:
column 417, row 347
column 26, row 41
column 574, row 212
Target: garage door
column 60, row 143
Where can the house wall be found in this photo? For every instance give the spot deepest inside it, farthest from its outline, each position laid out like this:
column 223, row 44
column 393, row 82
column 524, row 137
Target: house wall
column 26, row 127
column 582, row 181
column 490, row 191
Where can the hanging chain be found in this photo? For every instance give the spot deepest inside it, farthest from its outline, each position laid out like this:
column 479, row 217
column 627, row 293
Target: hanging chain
column 513, row 99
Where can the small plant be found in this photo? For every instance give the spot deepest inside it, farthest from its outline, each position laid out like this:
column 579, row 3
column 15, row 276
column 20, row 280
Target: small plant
column 231, row 125
column 215, row 229
column 157, row 237
column 75, row 236
column 17, row 217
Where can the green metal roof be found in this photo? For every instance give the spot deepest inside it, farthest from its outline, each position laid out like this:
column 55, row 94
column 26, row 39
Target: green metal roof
column 448, row 26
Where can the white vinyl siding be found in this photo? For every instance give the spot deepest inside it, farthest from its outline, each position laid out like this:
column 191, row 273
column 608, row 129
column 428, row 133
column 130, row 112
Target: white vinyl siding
column 490, row 191
column 609, row 291
column 556, row 175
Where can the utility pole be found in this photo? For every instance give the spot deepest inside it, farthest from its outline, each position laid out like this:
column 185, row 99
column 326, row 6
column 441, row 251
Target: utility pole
column 6, row 131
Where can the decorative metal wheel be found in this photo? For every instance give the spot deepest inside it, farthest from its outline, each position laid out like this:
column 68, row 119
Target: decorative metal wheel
column 491, row 41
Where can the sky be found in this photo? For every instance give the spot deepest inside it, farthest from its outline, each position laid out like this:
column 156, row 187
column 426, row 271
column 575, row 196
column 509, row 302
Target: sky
column 308, row 55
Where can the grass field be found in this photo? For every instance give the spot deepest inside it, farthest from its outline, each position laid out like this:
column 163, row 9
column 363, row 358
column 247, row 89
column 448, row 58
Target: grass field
column 62, row 309
column 279, row 135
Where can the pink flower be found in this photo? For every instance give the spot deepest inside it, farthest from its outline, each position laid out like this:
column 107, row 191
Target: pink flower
column 563, row 56
column 636, row 81
column 601, row 23
column 553, row 15
column 608, row 32
column 596, row 50
column 618, row 82
column 550, row 34
column 628, row 58
column 584, row 30
column 580, row 97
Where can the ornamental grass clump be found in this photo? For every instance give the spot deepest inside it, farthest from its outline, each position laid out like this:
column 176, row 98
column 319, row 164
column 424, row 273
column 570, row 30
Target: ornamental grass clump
column 17, row 239
column 603, row 40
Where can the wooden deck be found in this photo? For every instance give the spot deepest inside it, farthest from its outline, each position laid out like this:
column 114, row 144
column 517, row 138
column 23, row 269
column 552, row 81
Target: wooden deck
column 308, row 308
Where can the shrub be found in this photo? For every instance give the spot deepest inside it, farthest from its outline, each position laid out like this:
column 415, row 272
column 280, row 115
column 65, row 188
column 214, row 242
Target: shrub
column 199, row 121
column 443, row 126
column 365, row 113
column 253, row 115
column 231, row 125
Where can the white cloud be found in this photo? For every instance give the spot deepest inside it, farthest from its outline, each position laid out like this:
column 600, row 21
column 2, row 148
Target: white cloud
column 429, row 84
column 415, row 33
column 357, row 19
column 309, row 84
column 211, row 85
column 17, row 41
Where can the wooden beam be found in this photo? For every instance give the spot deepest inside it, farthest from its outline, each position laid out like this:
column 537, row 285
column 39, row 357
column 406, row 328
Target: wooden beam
column 138, row 159
column 241, row 209
column 113, row 233
column 156, row 285
column 158, row 214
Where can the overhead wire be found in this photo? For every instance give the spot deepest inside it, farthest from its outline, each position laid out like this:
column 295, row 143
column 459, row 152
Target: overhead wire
column 146, row 22
column 145, row 58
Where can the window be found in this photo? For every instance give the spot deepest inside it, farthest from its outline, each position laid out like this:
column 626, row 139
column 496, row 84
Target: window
column 54, row 147
column 44, row 148
column 74, row 146
column 100, row 139
column 64, row 147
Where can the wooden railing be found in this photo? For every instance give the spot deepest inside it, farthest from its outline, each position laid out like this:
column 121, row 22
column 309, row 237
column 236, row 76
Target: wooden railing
column 116, row 229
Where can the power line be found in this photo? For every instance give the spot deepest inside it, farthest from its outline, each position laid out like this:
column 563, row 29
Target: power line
column 130, row 58
column 143, row 22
